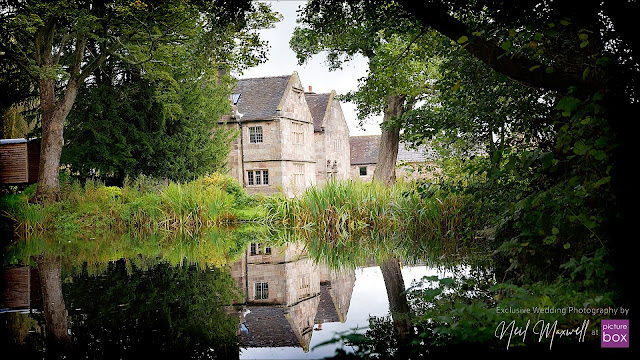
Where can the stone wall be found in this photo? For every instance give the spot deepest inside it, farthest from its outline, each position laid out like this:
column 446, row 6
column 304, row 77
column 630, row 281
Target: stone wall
column 332, row 151
column 287, row 317
column 282, row 152
column 405, row 171
column 355, row 172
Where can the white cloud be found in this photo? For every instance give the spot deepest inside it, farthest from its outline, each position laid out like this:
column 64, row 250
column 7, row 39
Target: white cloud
column 282, row 60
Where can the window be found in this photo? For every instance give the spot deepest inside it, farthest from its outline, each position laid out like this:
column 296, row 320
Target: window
column 259, row 249
column 235, row 98
column 262, row 291
column 305, row 282
column 255, row 134
column 298, row 174
column 298, row 133
column 363, row 171
column 337, row 145
column 305, row 287
column 257, row 177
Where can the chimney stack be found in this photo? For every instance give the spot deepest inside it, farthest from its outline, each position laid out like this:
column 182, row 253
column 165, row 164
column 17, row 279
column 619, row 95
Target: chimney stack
column 310, row 89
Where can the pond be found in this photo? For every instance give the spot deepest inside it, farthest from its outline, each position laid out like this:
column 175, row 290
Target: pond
column 224, row 295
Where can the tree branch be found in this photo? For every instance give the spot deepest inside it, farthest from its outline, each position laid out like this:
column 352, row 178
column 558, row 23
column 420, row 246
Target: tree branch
column 437, row 17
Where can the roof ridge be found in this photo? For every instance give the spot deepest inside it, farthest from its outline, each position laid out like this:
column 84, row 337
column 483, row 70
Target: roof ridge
column 266, row 77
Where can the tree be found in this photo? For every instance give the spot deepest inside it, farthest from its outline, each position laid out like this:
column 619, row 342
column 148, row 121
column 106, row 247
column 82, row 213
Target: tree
column 61, row 44
column 480, row 110
column 129, row 312
column 397, row 56
column 572, row 199
column 55, row 312
column 156, row 128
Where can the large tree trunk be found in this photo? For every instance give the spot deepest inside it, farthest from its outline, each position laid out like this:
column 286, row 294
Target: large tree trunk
column 50, row 146
column 398, row 305
column 54, row 110
column 53, row 117
column 385, row 171
column 55, row 313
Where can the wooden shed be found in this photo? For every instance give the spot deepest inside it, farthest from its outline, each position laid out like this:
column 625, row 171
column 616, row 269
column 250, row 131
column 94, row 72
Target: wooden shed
column 19, row 161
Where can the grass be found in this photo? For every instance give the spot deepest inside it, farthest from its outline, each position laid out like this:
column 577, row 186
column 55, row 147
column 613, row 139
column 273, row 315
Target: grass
column 140, row 206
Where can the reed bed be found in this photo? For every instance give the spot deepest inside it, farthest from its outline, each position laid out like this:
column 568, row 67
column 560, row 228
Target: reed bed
column 142, row 206
column 349, row 215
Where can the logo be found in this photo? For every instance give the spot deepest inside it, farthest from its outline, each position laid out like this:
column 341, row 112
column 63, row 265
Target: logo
column 615, row 334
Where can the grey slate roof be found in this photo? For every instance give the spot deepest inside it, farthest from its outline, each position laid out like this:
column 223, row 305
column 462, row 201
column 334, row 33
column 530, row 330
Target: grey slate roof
column 318, row 106
column 259, row 97
column 364, row 150
column 268, row 327
column 326, row 308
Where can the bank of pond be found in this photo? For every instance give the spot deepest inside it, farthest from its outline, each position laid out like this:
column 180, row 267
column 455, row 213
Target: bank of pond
column 202, row 270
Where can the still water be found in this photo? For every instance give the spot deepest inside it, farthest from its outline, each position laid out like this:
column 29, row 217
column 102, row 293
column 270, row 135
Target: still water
column 264, row 302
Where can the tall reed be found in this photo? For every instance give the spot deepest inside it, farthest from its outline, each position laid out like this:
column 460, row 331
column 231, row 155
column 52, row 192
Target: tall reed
column 348, row 213
column 140, row 206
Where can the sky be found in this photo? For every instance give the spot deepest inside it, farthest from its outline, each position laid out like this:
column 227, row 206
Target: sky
column 282, row 61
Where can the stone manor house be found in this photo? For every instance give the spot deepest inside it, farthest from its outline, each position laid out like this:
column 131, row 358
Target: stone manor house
column 291, row 139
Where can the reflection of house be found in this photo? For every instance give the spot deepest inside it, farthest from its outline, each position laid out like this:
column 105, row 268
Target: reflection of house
column 283, row 293
column 20, row 289
column 364, row 157
column 289, row 140
column 336, row 289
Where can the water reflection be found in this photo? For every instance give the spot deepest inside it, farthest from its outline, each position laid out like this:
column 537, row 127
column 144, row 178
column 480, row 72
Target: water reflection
column 247, row 293
column 286, row 295
column 268, row 297
column 126, row 313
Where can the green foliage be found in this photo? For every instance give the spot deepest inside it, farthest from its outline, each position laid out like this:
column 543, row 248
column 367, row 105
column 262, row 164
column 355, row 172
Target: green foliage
column 136, row 128
column 179, row 46
column 468, row 310
column 478, row 109
column 397, row 49
column 183, row 306
column 462, row 315
column 142, row 206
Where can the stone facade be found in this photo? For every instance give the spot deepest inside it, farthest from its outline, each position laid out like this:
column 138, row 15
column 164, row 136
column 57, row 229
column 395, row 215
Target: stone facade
column 284, row 291
column 331, row 135
column 280, row 140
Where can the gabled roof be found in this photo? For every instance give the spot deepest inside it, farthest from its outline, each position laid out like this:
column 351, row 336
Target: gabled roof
column 364, row 150
column 326, row 308
column 268, row 327
column 259, row 98
column 319, row 105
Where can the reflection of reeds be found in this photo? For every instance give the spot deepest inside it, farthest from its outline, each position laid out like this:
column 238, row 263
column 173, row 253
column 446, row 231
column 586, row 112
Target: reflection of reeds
column 344, row 219
column 216, row 246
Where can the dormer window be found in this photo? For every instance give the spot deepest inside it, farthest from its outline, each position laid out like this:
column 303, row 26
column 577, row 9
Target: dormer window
column 235, row 98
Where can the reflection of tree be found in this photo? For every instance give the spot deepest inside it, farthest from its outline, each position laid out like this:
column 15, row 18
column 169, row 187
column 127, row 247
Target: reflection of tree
column 163, row 311
column 55, row 313
column 398, row 305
